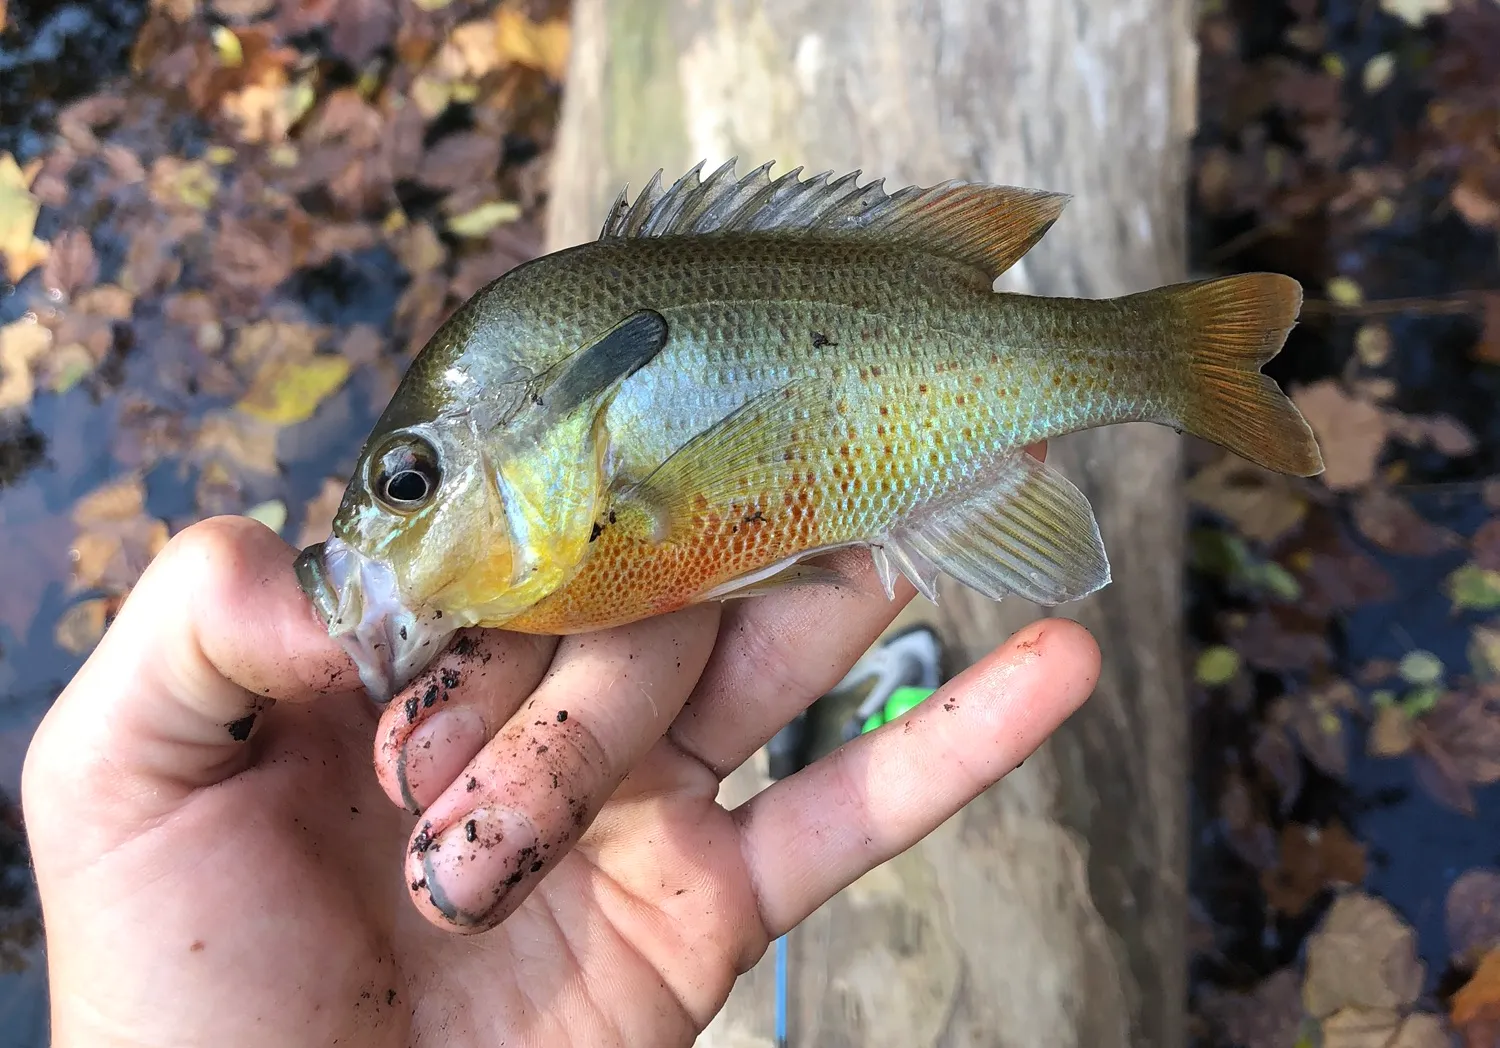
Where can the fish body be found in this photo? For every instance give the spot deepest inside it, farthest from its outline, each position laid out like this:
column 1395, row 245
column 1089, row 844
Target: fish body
column 740, row 374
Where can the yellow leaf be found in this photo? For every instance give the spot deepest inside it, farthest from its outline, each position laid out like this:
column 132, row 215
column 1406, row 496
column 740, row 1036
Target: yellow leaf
column 432, row 5
column 484, row 218
column 231, row 51
column 1345, row 292
column 539, row 45
column 1378, row 71
column 271, row 513
column 22, row 344
column 287, row 392
column 1415, row 12
column 18, row 213
column 82, row 625
column 476, row 48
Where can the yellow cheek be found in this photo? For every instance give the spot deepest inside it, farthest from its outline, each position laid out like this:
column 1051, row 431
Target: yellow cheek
column 488, row 579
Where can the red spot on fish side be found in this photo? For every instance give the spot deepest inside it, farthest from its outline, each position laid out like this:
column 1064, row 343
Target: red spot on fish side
column 922, row 388
column 978, row 381
column 876, row 372
column 960, row 400
column 1056, row 380
column 844, row 450
column 884, row 410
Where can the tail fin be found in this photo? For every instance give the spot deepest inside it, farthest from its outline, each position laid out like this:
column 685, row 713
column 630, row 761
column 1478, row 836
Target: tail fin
column 1232, row 326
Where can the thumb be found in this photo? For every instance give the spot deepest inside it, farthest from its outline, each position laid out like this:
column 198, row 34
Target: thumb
column 215, row 631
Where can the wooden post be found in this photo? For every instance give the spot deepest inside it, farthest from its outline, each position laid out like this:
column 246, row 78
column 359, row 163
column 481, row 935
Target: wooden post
column 1051, row 911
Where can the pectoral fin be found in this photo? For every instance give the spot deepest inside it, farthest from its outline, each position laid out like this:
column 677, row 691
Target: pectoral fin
column 743, row 464
column 609, row 360
column 1028, row 532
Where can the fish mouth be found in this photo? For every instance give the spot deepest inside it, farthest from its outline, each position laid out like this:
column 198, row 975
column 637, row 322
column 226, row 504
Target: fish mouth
column 360, row 605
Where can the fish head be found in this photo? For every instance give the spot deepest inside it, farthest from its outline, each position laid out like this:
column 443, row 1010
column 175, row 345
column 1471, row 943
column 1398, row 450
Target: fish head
column 420, row 528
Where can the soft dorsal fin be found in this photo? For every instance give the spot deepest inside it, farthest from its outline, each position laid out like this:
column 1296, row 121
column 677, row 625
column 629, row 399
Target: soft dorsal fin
column 987, row 226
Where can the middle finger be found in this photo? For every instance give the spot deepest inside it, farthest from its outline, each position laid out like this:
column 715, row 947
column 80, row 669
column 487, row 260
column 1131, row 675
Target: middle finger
column 523, row 802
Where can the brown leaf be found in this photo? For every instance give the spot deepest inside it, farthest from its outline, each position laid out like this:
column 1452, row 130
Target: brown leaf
column 1465, row 726
column 1284, row 638
column 1312, row 859
column 1246, row 830
column 461, row 160
column 1267, row 1018
column 116, row 538
column 1350, row 431
column 1278, row 757
column 1382, row 1028
column 72, row 265
column 23, row 344
column 81, row 626
column 509, row 246
column 1485, row 545
column 1472, row 916
column 362, row 27
column 1392, row 733
column 317, row 517
column 1475, row 1008
column 254, row 254
column 234, row 437
column 1313, row 716
column 1363, row 956
column 1477, row 207
column 1389, row 521
column 151, row 262
column 1487, row 349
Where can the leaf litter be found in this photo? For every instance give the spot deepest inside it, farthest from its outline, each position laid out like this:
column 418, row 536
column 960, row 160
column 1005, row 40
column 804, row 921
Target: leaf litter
column 1346, row 628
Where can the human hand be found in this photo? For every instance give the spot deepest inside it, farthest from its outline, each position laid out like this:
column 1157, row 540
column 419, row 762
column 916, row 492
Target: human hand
column 203, row 887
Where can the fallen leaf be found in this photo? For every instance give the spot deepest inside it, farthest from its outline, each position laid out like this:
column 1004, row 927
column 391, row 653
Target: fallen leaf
column 1477, row 207
column 1389, row 521
column 1392, row 734
column 475, row 50
column 1473, row 588
column 539, row 45
column 1312, row 859
column 1484, row 652
column 1345, row 292
column 1284, row 638
column 317, row 517
column 484, row 218
column 1373, row 344
column 178, row 184
column 1487, row 349
column 271, row 513
column 1350, row 431
column 1420, row 667
column 1485, row 545
column 287, row 392
column 19, row 209
column 1315, row 718
column 1378, row 72
column 1216, row 666
column 72, row 266
column 22, row 345
column 1362, row 955
column 116, row 538
column 80, row 627
column 2, row 15
column 461, row 160
column 1475, row 1008
column 1262, row 505
column 1415, row 12
column 1269, row 1017
column 1382, row 1028
column 1443, row 432
column 1276, row 755
column 249, row 443
column 1472, row 916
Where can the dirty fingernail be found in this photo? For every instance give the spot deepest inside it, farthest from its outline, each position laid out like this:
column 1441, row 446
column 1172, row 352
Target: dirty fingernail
column 472, row 867
column 436, row 753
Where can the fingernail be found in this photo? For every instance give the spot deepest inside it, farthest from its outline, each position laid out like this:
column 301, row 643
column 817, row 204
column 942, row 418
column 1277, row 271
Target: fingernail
column 471, row 868
column 436, row 753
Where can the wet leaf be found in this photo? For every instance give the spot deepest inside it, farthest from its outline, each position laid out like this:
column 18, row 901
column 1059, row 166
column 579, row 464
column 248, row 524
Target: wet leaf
column 1382, row 1028
column 485, row 217
column 1373, row 344
column 231, row 436
column 1484, row 652
column 22, row 346
column 1283, row 638
column 116, row 538
column 1443, row 432
column 539, row 45
column 1262, row 505
column 1472, row 916
column 176, row 184
column 1267, row 1018
column 1392, row 734
column 72, row 265
column 1415, row 12
column 1312, row 859
column 1378, row 72
column 19, row 209
column 1421, row 667
column 2, row 15
column 1351, row 432
column 1363, row 955
column 1389, row 521
column 271, row 513
column 1315, row 718
column 317, row 517
column 1475, row 1008
column 287, row 392
column 1216, row 666
column 1487, row 349
column 1473, row 588
column 81, row 626
column 1345, row 292
column 1485, row 545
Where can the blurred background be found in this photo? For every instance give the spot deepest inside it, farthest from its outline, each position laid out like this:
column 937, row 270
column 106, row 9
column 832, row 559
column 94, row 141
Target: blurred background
column 226, row 226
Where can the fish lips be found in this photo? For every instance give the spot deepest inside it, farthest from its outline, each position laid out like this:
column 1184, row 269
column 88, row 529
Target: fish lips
column 359, row 603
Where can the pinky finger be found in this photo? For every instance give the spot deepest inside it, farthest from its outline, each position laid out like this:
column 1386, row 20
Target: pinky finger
column 883, row 792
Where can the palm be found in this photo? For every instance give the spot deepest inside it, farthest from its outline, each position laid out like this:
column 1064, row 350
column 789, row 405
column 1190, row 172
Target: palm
column 202, row 890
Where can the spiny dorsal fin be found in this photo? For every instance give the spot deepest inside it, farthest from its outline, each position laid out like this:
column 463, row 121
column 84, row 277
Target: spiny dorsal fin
column 983, row 225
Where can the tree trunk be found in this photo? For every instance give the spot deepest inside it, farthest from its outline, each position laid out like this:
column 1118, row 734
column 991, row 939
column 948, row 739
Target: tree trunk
column 1051, row 911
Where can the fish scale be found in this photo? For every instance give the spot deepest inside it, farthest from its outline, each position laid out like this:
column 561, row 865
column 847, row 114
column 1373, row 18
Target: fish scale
column 741, row 373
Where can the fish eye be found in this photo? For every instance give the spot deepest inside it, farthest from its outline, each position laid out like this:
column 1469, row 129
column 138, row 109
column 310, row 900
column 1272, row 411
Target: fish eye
column 407, row 474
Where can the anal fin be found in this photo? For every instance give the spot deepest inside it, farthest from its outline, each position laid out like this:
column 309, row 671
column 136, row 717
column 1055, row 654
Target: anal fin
column 1027, row 532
